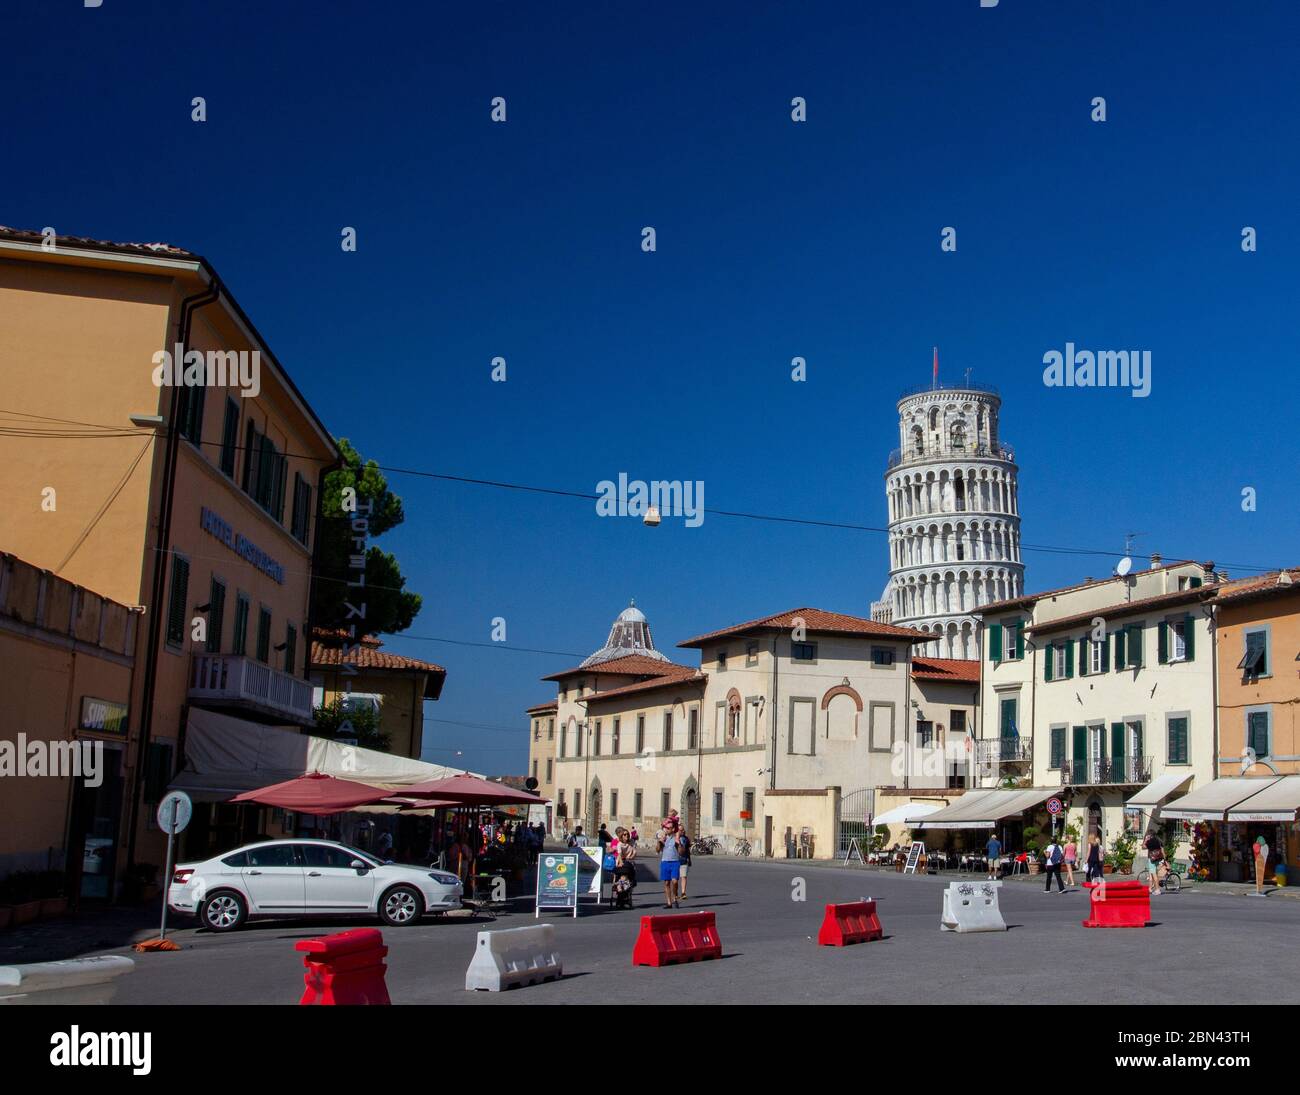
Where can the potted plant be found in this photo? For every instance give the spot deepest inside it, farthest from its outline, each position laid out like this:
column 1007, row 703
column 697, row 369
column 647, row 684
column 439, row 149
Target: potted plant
column 1033, row 837
column 1120, row 857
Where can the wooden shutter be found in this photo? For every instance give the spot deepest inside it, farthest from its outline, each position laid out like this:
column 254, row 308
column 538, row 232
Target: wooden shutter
column 1085, row 657
column 1189, row 637
column 1119, row 649
column 1162, row 642
column 995, row 642
column 1133, row 649
column 1257, row 732
column 1020, row 639
column 1069, row 659
column 216, row 616
column 1058, row 747
column 179, row 600
column 1049, row 662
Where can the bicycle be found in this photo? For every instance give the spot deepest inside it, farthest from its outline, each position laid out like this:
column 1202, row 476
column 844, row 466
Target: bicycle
column 1171, row 881
column 743, row 847
column 704, row 845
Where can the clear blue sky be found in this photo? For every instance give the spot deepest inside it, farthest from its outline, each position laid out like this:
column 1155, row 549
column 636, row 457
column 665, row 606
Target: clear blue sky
column 775, row 240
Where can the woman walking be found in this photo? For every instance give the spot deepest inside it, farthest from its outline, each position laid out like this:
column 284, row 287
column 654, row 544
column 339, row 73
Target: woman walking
column 684, row 867
column 1071, row 857
column 1094, row 858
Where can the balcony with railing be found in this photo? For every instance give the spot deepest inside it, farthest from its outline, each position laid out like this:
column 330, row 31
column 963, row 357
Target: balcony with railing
column 990, row 752
column 244, row 685
column 1102, row 771
column 914, row 453
column 921, row 389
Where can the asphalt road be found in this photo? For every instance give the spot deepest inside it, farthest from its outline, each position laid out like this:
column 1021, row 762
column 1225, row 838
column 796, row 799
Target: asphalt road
column 1203, row 948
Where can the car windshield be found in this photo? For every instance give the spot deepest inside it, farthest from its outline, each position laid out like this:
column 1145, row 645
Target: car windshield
column 367, row 857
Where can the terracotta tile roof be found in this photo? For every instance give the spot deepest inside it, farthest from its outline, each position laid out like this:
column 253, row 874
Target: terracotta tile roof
column 541, row 708
column 668, row 680
column 1125, row 608
column 963, row 670
column 816, row 620
column 22, row 235
column 369, row 656
column 633, row 665
column 1259, row 588
column 1028, row 599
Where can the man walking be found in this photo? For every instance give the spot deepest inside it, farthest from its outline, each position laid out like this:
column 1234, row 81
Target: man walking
column 1054, row 857
column 669, row 863
column 994, row 852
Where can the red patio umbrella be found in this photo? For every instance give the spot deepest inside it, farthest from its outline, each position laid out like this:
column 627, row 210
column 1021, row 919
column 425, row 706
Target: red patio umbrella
column 315, row 793
column 467, row 790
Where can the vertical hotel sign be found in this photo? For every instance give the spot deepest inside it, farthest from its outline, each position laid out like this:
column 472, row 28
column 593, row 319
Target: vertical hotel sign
column 356, row 598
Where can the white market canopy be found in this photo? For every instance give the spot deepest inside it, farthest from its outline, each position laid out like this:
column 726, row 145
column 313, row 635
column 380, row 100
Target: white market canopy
column 1216, row 798
column 225, row 756
column 906, row 813
column 1159, row 789
column 983, row 809
column 1279, row 801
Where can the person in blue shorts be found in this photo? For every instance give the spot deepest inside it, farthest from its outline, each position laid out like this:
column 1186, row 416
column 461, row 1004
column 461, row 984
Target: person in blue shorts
column 669, row 861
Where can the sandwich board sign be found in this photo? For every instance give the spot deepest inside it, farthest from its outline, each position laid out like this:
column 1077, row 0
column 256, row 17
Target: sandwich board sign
column 854, row 847
column 557, row 882
column 914, row 854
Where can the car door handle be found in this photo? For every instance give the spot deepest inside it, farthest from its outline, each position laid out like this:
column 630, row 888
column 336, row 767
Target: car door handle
column 313, row 874
column 254, row 872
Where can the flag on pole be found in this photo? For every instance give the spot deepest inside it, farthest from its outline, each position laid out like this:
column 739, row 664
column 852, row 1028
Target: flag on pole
column 936, row 366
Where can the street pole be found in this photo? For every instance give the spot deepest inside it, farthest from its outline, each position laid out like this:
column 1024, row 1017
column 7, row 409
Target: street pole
column 167, row 874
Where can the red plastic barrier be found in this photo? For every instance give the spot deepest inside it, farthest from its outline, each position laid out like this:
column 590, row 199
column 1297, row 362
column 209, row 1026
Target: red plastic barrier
column 666, row 940
column 1118, row 905
column 347, row 968
column 852, row 922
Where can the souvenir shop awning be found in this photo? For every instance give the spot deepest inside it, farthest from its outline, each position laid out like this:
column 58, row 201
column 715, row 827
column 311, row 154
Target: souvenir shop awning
column 1159, row 789
column 1216, row 798
column 983, row 809
column 907, row 813
column 471, row 790
column 1279, row 801
column 225, row 756
column 314, row 793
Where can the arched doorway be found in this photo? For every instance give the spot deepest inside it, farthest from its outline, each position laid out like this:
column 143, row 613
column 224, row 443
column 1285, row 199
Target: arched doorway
column 1095, row 827
column 691, row 807
column 593, row 809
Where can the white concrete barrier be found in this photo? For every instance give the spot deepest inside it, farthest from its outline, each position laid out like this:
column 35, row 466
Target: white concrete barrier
column 972, row 907
column 74, row 981
column 514, row 956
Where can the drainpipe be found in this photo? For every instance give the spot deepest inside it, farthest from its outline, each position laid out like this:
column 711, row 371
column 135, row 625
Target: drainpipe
column 776, row 712
column 188, row 307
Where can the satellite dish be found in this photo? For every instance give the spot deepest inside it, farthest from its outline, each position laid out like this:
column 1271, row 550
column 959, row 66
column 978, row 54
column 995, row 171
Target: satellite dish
column 1123, row 566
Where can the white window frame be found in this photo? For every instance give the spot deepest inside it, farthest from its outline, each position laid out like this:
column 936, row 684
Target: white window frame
column 1094, row 655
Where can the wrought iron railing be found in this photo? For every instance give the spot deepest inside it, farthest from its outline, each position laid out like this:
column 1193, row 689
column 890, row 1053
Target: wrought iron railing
column 1106, row 770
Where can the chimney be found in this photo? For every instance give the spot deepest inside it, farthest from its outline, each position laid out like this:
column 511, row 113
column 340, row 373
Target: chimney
column 1222, row 576
column 1155, row 560
column 1208, row 567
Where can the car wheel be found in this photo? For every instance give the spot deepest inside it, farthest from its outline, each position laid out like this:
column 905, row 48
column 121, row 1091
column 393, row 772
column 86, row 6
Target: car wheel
column 400, row 906
column 224, row 911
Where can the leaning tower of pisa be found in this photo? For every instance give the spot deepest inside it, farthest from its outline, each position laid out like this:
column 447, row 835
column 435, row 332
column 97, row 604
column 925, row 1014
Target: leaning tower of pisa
column 954, row 517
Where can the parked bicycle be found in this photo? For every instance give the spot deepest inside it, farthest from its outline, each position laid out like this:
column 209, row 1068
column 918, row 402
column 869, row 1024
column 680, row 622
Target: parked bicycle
column 1171, row 879
column 704, row 845
column 743, row 847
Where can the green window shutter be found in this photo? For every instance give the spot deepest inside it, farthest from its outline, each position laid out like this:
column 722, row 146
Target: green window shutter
column 180, row 597
column 1119, row 649
column 1194, row 583
column 1189, row 636
column 1085, row 663
column 1058, row 747
column 290, row 649
column 1080, row 750
column 1133, row 648
column 1178, row 741
column 1049, row 660
column 216, row 616
column 995, row 643
column 263, row 636
column 1020, row 639
column 239, row 640
column 1008, row 722
column 1257, row 733
column 1105, row 655
column 1069, row 659
column 1162, row 642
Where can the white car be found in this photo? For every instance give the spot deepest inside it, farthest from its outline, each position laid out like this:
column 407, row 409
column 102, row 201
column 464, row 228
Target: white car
column 307, row 878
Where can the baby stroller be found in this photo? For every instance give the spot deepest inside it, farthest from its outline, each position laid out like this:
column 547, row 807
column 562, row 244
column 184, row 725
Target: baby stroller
column 622, row 890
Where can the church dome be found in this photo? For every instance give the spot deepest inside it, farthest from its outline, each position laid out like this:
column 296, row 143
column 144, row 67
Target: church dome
column 630, row 634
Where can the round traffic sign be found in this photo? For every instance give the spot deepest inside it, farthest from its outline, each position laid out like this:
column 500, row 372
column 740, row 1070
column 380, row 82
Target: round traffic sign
column 1054, row 806
column 174, row 812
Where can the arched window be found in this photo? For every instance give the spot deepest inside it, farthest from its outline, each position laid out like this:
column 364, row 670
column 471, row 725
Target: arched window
column 934, row 418
column 958, row 435
column 918, row 441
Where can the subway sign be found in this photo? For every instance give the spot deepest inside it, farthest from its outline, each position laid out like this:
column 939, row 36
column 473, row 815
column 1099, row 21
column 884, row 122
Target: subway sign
column 217, row 526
